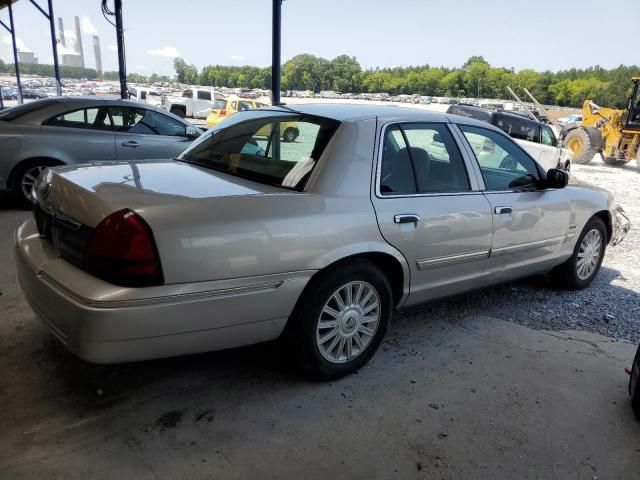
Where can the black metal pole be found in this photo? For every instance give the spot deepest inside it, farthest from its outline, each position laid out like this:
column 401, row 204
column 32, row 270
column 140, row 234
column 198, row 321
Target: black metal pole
column 1, row 99
column 275, row 51
column 54, row 46
column 122, row 65
column 15, row 53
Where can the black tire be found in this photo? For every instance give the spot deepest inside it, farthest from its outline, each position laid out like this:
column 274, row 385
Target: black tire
column 302, row 328
column 290, row 134
column 613, row 161
column 635, row 393
column 597, row 141
column 567, row 274
column 18, row 178
column 180, row 112
column 583, row 143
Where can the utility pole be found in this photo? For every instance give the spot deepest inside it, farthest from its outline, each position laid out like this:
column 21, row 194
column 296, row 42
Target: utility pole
column 275, row 50
column 122, row 65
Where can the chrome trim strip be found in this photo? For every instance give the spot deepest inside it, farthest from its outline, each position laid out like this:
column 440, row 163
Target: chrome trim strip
column 451, row 259
column 495, row 252
column 209, row 294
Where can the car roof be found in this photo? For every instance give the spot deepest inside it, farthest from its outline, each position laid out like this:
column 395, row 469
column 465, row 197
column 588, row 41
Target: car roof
column 502, row 113
column 48, row 107
column 353, row 111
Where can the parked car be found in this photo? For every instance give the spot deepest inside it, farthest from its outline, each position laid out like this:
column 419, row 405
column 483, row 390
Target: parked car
column 317, row 241
column 570, row 119
column 9, row 93
column 194, row 102
column 537, row 138
column 66, row 131
column 223, row 109
column 634, row 384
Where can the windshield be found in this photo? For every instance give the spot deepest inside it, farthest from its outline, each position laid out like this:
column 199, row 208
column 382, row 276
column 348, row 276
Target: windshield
column 279, row 151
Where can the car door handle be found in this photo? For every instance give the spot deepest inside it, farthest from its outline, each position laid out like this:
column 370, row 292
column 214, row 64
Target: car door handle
column 130, row 144
column 501, row 210
column 406, row 218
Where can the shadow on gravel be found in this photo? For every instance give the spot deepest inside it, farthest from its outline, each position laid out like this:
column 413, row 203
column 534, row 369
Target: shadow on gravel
column 7, row 202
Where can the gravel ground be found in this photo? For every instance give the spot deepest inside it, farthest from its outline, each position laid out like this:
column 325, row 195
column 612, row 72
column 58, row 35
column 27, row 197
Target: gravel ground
column 610, row 306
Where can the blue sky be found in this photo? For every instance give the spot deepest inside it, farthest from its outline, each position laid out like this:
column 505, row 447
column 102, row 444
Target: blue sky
column 539, row 34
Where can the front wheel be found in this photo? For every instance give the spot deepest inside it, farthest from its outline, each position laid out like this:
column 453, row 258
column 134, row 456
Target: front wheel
column 341, row 319
column 24, row 179
column 290, row 135
column 582, row 267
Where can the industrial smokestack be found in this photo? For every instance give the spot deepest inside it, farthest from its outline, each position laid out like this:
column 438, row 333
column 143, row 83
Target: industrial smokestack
column 96, row 52
column 61, row 32
column 79, row 41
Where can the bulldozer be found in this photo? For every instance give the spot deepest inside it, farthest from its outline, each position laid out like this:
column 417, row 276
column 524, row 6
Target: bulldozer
column 614, row 133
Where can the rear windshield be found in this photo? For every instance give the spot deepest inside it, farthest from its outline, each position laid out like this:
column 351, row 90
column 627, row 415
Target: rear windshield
column 13, row 113
column 478, row 114
column 257, row 150
column 219, row 104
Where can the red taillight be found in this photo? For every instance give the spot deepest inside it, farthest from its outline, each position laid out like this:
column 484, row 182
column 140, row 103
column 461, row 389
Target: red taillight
column 122, row 251
column 222, row 113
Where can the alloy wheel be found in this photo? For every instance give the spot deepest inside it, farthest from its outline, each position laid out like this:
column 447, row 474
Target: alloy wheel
column 29, row 179
column 589, row 254
column 348, row 322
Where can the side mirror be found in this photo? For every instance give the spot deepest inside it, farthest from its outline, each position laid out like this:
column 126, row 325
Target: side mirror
column 192, row 132
column 556, row 178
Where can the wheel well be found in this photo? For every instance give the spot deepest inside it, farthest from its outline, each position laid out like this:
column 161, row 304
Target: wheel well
column 52, row 162
column 178, row 107
column 389, row 266
column 605, row 216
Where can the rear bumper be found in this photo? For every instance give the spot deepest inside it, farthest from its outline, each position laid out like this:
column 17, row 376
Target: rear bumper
column 112, row 326
column 620, row 224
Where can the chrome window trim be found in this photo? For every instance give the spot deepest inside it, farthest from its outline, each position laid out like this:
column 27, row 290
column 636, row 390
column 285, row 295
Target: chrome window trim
column 474, row 187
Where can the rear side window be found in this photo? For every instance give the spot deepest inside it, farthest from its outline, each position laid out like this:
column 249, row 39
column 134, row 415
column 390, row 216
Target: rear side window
column 204, row 95
column 421, row 158
column 520, row 129
column 242, row 106
column 91, row 118
column 219, row 105
column 255, row 150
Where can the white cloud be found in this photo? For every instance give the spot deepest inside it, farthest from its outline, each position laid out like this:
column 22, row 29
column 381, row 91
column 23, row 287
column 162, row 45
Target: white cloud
column 20, row 45
column 87, row 26
column 237, row 58
column 113, row 48
column 169, row 52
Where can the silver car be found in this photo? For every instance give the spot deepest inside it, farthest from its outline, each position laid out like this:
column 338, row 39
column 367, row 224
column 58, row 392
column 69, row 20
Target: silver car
column 244, row 239
column 67, row 131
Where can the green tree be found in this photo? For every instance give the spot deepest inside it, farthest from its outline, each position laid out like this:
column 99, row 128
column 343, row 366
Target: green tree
column 185, row 73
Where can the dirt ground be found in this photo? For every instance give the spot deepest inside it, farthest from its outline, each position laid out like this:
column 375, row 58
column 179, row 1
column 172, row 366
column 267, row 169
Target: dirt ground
column 456, row 391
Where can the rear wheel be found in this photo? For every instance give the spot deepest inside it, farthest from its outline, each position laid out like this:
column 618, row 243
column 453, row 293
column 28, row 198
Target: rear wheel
column 341, row 319
column 582, row 267
column 24, row 178
column 290, row 135
column 180, row 112
column 584, row 143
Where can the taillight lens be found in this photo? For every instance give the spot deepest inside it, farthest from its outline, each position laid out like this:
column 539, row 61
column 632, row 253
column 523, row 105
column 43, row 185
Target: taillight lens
column 222, row 113
column 122, row 251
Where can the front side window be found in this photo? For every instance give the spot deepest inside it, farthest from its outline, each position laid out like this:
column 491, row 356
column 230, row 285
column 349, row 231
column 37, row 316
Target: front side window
column 144, row 121
column 548, row 138
column 90, row 118
column 504, row 165
column 251, row 149
column 242, row 106
column 421, row 158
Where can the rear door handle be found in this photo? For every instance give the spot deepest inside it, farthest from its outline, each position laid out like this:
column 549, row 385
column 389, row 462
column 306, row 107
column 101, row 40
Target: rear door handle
column 501, row 210
column 406, row 218
column 130, row 144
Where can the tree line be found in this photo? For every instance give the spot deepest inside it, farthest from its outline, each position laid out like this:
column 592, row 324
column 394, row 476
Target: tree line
column 45, row 70
column 476, row 78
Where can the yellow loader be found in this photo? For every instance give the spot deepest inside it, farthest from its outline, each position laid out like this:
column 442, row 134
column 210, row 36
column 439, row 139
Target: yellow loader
column 614, row 133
